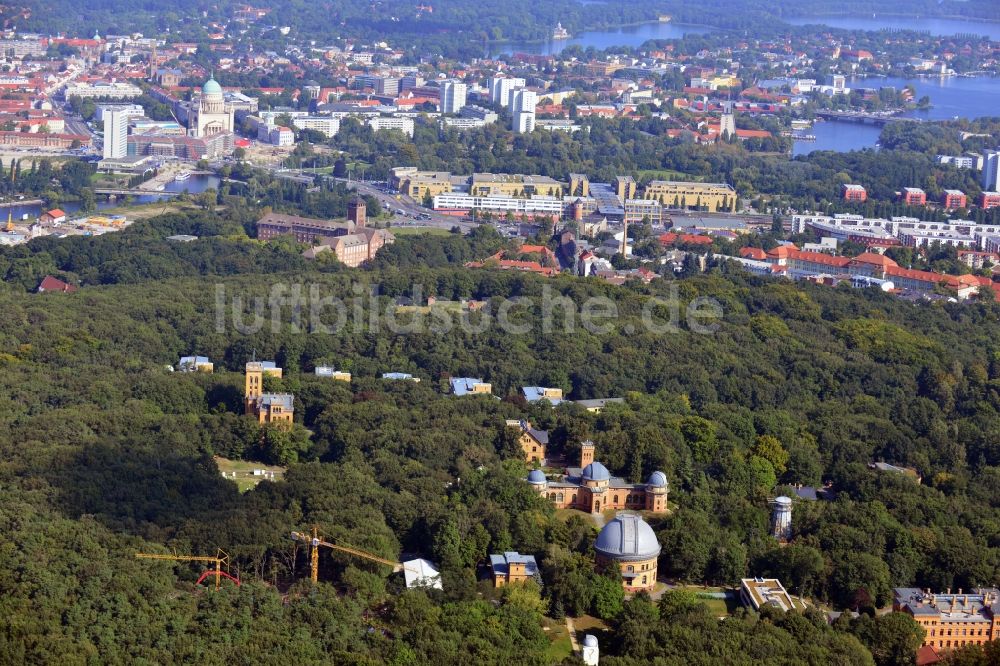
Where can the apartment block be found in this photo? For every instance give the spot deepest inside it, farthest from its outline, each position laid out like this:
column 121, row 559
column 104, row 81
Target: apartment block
column 854, row 193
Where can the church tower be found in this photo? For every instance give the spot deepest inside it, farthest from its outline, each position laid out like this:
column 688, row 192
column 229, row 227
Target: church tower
column 254, row 385
column 357, row 211
column 727, row 124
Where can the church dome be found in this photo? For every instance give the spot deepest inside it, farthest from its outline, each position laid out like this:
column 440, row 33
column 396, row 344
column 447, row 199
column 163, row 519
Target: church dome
column 536, row 476
column 658, row 479
column 595, row 471
column 211, row 87
column 628, row 537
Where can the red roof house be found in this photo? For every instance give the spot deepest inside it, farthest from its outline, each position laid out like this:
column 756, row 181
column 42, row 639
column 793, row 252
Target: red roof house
column 50, row 283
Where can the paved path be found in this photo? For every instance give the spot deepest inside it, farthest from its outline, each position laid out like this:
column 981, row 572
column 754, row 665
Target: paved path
column 572, row 635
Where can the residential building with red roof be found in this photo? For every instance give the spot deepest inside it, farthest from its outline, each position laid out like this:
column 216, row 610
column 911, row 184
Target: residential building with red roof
column 671, row 238
column 872, row 265
column 52, row 284
column 715, row 132
column 755, row 253
column 54, row 216
column 497, row 261
column 548, row 256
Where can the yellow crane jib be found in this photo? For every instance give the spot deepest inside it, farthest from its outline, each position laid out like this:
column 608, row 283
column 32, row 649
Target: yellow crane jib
column 315, row 542
column 221, row 559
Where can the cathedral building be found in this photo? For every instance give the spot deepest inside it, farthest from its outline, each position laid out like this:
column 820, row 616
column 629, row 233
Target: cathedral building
column 591, row 488
column 214, row 116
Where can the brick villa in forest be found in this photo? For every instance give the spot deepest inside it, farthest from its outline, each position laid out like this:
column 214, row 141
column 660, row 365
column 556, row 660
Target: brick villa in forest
column 275, row 408
column 591, row 488
column 532, row 441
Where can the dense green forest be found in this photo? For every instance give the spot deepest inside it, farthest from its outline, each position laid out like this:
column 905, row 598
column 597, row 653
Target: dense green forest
column 455, row 27
column 105, row 452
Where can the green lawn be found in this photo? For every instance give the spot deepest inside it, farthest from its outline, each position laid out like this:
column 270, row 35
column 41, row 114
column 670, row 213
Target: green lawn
column 560, row 646
column 109, row 180
column 417, row 231
column 721, row 607
column 243, row 469
column 718, row 607
column 588, row 624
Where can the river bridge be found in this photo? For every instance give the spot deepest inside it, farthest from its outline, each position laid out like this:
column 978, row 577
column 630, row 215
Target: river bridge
column 120, row 192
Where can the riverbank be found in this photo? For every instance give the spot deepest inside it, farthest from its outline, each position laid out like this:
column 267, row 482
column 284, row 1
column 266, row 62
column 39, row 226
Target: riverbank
column 951, row 97
column 23, row 202
column 934, row 26
column 594, row 36
column 945, row 17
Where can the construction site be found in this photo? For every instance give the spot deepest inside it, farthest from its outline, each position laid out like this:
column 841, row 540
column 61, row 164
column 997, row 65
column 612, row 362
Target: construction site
column 417, row 573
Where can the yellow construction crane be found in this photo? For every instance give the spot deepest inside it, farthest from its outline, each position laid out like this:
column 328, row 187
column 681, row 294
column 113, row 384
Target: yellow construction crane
column 220, row 560
column 315, row 542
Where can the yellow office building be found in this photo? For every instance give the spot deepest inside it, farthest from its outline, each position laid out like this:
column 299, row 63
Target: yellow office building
column 514, row 185
column 419, row 184
column 701, row 196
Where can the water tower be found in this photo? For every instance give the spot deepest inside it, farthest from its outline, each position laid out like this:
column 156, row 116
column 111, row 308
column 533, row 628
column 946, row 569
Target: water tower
column 781, row 518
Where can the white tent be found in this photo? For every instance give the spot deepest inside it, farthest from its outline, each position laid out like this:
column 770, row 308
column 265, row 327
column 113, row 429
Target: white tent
column 421, row 573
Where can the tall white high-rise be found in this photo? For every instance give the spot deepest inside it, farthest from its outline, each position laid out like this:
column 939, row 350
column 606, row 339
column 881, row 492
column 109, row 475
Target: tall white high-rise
column 522, row 111
column 502, row 87
column 453, row 96
column 115, row 133
column 991, row 170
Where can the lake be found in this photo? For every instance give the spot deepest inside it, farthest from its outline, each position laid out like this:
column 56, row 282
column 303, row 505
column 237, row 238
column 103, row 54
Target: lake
column 965, row 97
column 636, row 35
column 935, row 26
column 632, row 36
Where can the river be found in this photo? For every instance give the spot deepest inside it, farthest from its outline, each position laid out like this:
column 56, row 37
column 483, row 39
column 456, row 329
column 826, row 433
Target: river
column 936, row 26
column 193, row 185
column 965, row 97
column 632, row 36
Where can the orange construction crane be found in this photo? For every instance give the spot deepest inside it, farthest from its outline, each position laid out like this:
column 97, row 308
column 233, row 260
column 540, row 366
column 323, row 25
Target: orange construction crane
column 315, row 542
column 221, row 560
